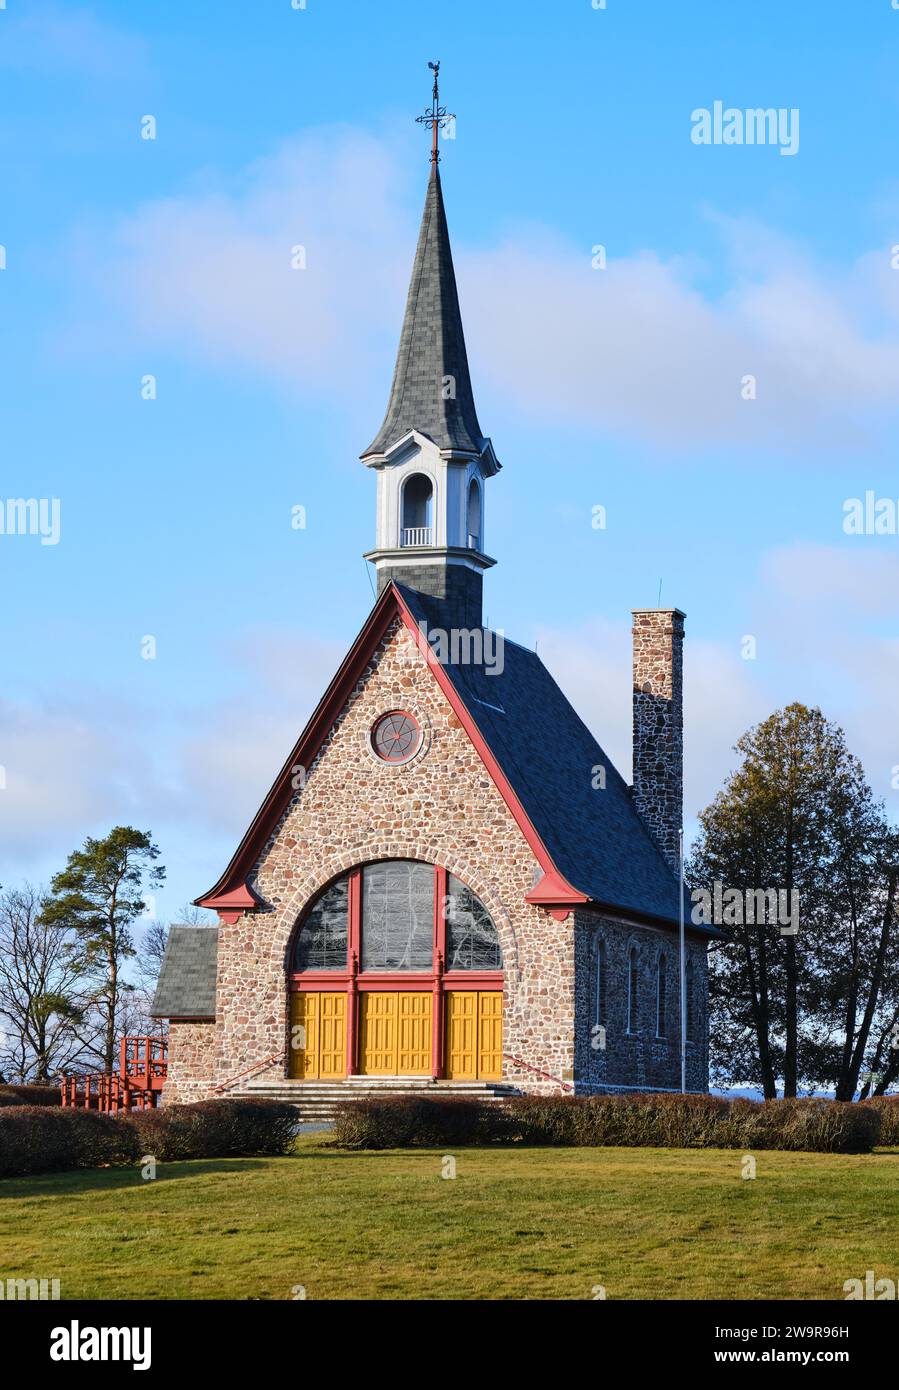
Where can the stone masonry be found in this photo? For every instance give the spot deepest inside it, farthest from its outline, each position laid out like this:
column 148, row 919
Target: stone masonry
column 191, row 1061
column 658, row 774
column 612, row 1058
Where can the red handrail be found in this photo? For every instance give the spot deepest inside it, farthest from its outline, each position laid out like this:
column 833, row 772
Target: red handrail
column 250, row 1071
column 545, row 1074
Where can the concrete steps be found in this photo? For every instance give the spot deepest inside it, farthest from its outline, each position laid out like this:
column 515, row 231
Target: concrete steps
column 317, row 1100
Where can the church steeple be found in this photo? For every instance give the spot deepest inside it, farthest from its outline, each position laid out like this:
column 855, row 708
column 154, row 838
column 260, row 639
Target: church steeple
column 430, row 453
column 431, row 389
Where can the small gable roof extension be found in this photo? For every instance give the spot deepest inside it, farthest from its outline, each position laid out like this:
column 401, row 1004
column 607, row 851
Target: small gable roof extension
column 186, row 984
column 592, row 845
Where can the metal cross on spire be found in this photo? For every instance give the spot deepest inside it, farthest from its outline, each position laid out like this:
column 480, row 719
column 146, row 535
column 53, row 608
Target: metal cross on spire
column 437, row 117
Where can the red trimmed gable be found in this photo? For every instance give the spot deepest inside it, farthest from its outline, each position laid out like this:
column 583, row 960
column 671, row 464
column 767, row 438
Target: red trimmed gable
column 231, row 895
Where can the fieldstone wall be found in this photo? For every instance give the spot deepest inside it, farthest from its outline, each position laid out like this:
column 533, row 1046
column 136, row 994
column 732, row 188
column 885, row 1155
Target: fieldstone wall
column 191, row 1057
column 658, row 768
column 441, row 807
column 614, row 1057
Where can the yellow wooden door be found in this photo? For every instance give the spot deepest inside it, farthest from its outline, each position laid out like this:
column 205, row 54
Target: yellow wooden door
column 490, row 1035
column 414, row 1034
column 332, row 1035
column 304, row 1036
column 377, row 1051
column 317, row 1036
column 461, row 1035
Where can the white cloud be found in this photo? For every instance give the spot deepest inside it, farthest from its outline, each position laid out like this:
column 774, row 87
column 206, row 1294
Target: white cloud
column 855, row 576
column 52, row 38
column 817, row 611
column 230, row 765
column 638, row 348
column 67, row 771
column 722, row 697
column 211, row 272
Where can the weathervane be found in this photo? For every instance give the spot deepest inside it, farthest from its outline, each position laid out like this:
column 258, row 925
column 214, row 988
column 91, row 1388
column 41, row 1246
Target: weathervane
column 437, row 117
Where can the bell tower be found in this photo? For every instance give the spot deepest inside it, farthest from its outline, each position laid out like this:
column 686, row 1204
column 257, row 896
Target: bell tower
column 430, row 457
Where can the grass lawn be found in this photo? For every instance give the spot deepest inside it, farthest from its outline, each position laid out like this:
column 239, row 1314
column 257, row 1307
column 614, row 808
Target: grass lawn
column 515, row 1223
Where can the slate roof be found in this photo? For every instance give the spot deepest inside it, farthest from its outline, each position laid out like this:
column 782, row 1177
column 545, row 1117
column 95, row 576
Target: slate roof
column 186, row 984
column 596, row 838
column 432, row 346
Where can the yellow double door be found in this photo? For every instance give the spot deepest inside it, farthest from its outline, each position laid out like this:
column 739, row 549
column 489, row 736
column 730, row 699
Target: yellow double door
column 395, row 1033
column 395, row 1030
column 317, row 1036
column 474, row 1035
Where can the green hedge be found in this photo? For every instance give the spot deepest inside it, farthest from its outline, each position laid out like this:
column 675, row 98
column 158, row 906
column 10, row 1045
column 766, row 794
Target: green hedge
column 888, row 1109
column 217, row 1129
column 44, row 1139
column 30, row 1095
column 639, row 1120
column 39, row 1139
column 397, row 1122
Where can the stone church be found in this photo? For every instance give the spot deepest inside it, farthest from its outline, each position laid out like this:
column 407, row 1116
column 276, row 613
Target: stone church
column 448, row 885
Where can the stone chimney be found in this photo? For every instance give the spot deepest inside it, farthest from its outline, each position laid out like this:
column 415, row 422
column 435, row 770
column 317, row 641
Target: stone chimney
column 659, row 724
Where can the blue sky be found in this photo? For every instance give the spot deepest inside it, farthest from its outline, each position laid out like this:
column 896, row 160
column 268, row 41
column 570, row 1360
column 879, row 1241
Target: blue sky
column 618, row 387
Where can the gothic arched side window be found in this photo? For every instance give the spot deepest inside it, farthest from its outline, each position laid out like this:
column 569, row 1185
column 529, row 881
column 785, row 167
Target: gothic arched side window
column 472, row 941
column 322, row 942
column 599, row 980
column 633, row 983
column 662, row 997
column 691, row 1003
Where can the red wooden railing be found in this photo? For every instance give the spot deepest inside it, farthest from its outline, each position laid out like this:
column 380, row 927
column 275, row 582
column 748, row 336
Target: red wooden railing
column 143, row 1064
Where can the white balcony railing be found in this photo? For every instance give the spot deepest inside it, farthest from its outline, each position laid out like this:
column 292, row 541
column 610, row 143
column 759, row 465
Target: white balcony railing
column 415, row 535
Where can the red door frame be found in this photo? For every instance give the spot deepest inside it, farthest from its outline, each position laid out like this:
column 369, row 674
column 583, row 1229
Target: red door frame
column 351, row 980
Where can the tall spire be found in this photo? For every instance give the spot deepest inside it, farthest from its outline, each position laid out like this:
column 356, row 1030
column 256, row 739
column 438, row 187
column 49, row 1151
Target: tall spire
column 431, row 390
column 430, row 455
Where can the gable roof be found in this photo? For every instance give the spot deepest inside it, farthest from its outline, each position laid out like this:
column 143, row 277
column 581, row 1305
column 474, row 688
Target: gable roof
column 595, row 837
column 592, row 845
column 431, row 348
column 186, row 984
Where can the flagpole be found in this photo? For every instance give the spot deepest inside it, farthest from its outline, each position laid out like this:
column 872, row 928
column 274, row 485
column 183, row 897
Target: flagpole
column 683, row 976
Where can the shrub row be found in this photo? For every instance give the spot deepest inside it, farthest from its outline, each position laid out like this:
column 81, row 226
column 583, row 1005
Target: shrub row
column 217, row 1129
column 30, row 1095
column 38, row 1139
column 888, row 1109
column 656, row 1121
column 44, row 1139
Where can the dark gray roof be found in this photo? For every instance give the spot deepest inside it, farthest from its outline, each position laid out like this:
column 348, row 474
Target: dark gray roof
column 186, row 984
column 432, row 346
column 596, row 838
